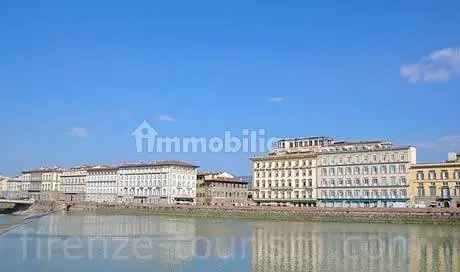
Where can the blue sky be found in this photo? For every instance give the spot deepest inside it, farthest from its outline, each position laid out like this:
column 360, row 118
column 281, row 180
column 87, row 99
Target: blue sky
column 77, row 77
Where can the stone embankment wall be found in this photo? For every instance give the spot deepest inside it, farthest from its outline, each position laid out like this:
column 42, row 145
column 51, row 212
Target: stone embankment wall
column 369, row 215
column 44, row 207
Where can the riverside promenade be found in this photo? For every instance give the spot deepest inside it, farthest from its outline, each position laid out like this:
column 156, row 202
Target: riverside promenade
column 363, row 215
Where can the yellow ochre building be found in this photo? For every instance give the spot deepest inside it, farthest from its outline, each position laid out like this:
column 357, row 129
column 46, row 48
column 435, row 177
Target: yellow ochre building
column 436, row 184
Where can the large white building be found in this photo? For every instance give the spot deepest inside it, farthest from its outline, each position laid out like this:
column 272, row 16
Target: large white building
column 101, row 184
column 157, row 182
column 318, row 171
column 43, row 183
column 73, row 184
column 15, row 189
column 364, row 174
column 287, row 175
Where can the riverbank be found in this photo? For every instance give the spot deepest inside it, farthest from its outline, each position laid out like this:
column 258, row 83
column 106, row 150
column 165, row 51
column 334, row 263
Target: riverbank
column 8, row 222
column 11, row 218
column 355, row 215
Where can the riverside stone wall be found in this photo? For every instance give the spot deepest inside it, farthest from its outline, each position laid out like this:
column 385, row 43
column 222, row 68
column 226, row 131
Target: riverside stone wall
column 375, row 215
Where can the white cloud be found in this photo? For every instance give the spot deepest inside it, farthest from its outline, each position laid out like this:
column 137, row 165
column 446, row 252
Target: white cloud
column 276, row 99
column 166, row 118
column 439, row 66
column 79, row 132
column 449, row 143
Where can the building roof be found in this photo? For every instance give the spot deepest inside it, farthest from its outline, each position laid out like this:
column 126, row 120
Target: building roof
column 361, row 142
column 158, row 163
column 433, row 165
column 307, row 138
column 44, row 170
column 101, row 167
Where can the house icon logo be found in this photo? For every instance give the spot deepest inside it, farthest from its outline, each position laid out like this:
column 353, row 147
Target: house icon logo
column 145, row 134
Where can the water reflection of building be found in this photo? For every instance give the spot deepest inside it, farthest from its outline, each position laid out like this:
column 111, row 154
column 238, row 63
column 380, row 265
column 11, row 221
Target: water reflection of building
column 289, row 246
column 278, row 246
column 162, row 239
column 437, row 249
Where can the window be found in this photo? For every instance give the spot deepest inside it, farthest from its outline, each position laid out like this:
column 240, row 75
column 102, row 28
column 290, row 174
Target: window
column 366, row 182
column 332, row 182
column 366, row 170
column 374, row 169
column 357, row 171
column 402, row 169
column 392, row 169
column 340, row 171
column 375, row 182
column 432, row 190
column 403, row 180
column 403, row 193
column 331, row 171
column 348, row 170
column 340, row 182
column 357, row 182
column 383, row 169
column 420, row 175
column 444, row 175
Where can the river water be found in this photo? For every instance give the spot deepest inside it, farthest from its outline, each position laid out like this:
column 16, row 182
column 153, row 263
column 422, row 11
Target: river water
column 152, row 243
column 8, row 221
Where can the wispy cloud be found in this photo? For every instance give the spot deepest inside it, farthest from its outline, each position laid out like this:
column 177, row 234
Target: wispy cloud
column 166, row 118
column 439, row 66
column 445, row 144
column 276, row 99
column 78, row 132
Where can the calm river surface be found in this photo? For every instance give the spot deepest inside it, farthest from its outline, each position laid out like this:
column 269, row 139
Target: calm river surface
column 152, row 243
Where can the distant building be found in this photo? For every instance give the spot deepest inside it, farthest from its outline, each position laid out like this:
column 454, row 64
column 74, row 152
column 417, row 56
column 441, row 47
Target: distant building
column 221, row 188
column 73, row 184
column 246, row 179
column 16, row 189
column 157, row 182
column 43, row 183
column 3, row 186
column 101, row 184
column 436, row 184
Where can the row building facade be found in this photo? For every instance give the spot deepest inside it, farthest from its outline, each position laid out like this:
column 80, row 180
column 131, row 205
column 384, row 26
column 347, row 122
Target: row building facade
column 221, row 188
column 319, row 171
column 436, row 184
column 157, row 182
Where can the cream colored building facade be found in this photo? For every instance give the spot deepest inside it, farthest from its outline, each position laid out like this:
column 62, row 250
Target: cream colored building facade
column 43, row 183
column 287, row 176
column 436, row 184
column 73, row 184
column 3, row 186
column 364, row 174
column 101, row 184
column 318, row 171
column 157, row 182
column 16, row 189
